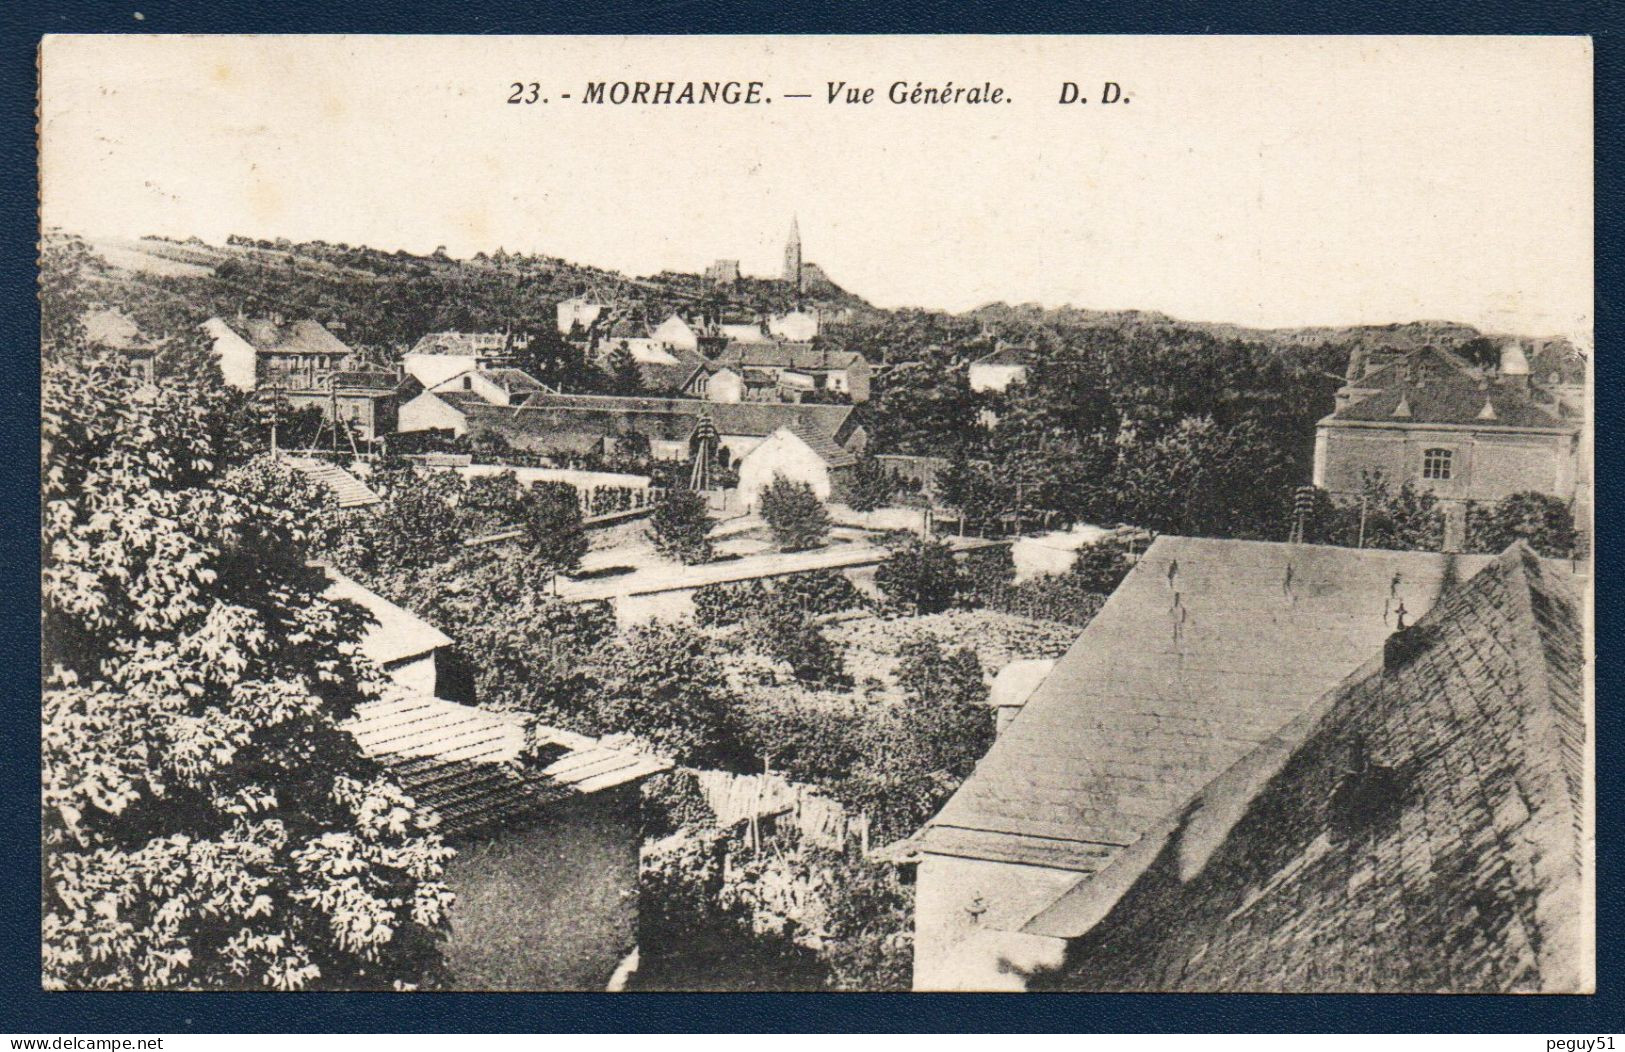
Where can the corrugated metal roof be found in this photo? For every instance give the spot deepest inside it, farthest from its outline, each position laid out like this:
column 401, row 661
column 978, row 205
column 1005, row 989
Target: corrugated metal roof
column 1199, row 655
column 1421, row 828
column 464, row 762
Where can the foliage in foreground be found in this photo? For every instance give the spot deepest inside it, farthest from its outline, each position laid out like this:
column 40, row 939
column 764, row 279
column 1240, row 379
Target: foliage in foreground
column 206, row 822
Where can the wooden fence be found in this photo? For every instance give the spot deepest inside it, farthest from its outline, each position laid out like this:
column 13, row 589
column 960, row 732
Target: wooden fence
column 754, row 799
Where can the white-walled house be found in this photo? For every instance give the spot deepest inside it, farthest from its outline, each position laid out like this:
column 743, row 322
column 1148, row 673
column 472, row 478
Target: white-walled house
column 577, row 312
column 676, row 333
column 498, row 386
column 997, row 371
column 404, row 645
column 800, row 454
column 798, row 326
column 236, row 355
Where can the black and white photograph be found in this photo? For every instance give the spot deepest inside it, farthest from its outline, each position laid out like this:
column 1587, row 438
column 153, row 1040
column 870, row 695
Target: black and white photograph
column 852, row 514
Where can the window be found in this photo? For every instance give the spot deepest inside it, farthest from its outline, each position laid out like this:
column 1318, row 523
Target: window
column 1436, row 464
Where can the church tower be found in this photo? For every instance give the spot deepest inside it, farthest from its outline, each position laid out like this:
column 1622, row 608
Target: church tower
column 792, row 256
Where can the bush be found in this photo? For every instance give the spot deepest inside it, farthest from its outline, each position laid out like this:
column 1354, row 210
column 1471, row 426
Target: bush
column 1100, row 568
column 679, row 527
column 921, row 575
column 551, row 515
column 1543, row 522
column 795, row 514
column 661, row 682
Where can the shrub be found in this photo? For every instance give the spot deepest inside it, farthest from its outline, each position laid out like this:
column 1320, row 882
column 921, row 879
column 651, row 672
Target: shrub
column 662, row 682
column 551, row 515
column 795, row 514
column 921, row 575
column 679, row 527
column 1541, row 521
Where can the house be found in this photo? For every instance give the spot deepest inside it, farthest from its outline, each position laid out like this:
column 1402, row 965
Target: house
column 112, row 330
column 439, row 356
column 1422, row 827
column 843, row 372
column 742, row 332
column 1428, row 418
column 676, row 334
column 348, row 491
column 715, row 383
column 1008, row 364
column 797, row 326
column 801, row 454
column 565, row 423
column 577, row 314
column 256, row 353
column 1013, row 685
column 366, row 400
column 412, row 652
column 499, row 386
column 547, row 836
column 1196, row 659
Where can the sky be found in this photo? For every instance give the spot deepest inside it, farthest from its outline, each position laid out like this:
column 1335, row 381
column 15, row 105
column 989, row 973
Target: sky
column 1261, row 181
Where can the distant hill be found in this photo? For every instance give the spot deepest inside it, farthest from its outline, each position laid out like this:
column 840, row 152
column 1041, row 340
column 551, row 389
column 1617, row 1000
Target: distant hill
column 386, row 300
column 1400, row 335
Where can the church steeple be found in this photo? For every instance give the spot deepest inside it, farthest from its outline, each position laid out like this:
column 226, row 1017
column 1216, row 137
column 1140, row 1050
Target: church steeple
column 792, row 255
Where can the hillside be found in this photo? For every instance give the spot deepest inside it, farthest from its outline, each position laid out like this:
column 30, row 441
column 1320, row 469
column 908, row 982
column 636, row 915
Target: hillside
column 384, row 301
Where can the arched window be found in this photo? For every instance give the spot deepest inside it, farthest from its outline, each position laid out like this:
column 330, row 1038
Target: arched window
column 1436, row 464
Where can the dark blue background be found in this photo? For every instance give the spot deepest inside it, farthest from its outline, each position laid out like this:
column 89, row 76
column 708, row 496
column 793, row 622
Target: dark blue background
column 24, row 1009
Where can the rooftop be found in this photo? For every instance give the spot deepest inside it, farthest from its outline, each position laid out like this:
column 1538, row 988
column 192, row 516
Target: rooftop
column 1435, row 387
column 398, row 634
column 465, row 763
column 306, row 336
column 349, row 491
column 828, row 450
column 1420, row 828
column 785, row 356
column 1196, row 658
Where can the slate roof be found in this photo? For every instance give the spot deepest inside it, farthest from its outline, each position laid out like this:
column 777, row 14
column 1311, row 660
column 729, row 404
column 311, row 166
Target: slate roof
column 472, row 344
column 1007, row 354
column 800, row 356
column 398, row 635
column 114, row 330
column 828, row 450
column 1453, row 393
column 1420, row 828
column 1197, row 657
column 349, row 491
column 464, row 762
column 563, row 415
column 306, row 336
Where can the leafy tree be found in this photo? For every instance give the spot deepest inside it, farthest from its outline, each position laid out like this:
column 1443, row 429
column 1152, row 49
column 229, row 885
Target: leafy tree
column 920, row 575
column 1406, row 519
column 872, row 485
column 1541, row 521
column 679, row 527
column 525, row 649
column 1101, row 567
column 498, row 499
column 205, row 821
column 783, row 630
column 794, row 513
column 551, row 514
column 419, row 526
column 625, row 375
column 1201, row 478
column 662, row 682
